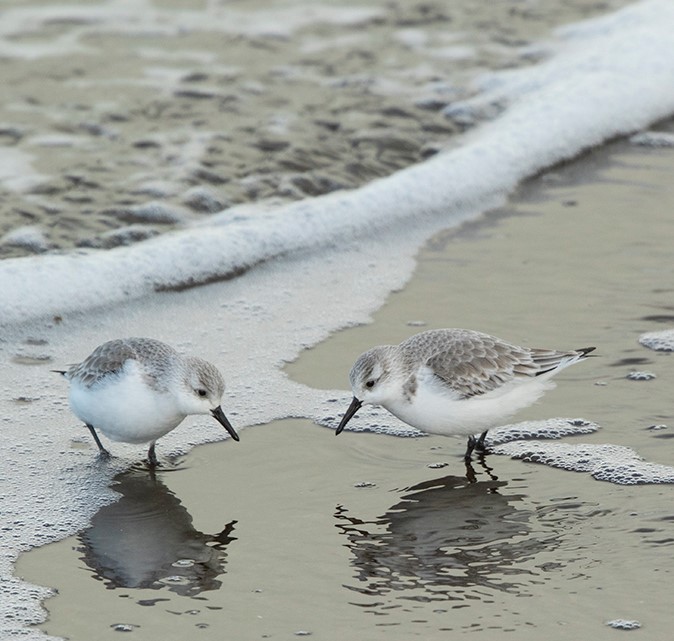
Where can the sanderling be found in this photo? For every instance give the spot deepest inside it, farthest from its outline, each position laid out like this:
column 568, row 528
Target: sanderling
column 455, row 381
column 137, row 389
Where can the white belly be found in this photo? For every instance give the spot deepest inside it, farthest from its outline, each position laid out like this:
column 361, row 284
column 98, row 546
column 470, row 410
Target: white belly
column 125, row 409
column 433, row 410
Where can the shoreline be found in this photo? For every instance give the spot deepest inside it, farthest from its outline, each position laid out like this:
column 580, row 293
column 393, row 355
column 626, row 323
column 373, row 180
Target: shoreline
column 299, row 492
column 579, row 256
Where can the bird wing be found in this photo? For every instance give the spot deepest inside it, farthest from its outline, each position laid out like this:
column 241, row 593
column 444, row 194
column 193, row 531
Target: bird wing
column 105, row 360
column 471, row 363
column 479, row 371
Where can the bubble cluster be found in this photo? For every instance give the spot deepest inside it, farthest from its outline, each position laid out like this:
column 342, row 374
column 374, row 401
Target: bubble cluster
column 661, row 341
column 369, row 418
column 55, row 496
column 124, row 627
column 653, row 139
column 623, row 624
column 50, row 490
column 640, row 376
column 552, row 428
column 612, row 463
column 30, row 237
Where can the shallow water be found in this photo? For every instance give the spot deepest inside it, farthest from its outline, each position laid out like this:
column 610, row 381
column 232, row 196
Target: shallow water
column 291, row 511
column 371, row 536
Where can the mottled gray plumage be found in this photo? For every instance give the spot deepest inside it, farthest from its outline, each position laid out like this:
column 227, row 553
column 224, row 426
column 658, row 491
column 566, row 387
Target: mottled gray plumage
column 160, row 362
column 473, row 363
column 137, row 389
column 454, row 381
column 109, row 358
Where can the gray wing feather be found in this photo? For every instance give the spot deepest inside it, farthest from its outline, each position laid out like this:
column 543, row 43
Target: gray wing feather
column 472, row 363
column 108, row 359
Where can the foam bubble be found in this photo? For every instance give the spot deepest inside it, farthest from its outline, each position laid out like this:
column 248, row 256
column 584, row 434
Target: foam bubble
column 62, row 512
column 552, row 428
column 29, row 237
column 124, row 627
column 542, row 122
column 624, row 624
column 613, row 463
column 369, row 418
column 653, row 139
column 606, row 79
column 662, row 341
column 640, row 376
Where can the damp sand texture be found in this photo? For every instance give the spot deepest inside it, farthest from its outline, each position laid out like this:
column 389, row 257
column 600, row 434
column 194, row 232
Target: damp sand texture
column 119, row 125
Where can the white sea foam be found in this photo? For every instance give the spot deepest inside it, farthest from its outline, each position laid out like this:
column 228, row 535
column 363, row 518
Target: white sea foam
column 613, row 463
column 610, row 77
column 660, row 341
column 29, row 236
column 653, row 139
column 624, row 624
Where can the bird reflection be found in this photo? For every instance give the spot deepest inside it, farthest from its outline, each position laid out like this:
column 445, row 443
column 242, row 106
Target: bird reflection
column 147, row 540
column 448, row 539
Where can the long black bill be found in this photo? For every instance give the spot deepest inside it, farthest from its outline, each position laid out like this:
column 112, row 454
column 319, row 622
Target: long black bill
column 220, row 417
column 353, row 408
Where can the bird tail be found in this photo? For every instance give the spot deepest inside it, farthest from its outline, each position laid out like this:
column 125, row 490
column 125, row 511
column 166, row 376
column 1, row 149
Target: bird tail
column 550, row 361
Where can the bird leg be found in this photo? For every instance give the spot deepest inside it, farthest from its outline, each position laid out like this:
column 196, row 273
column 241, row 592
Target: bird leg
column 470, row 446
column 103, row 453
column 479, row 445
column 475, row 444
column 151, row 456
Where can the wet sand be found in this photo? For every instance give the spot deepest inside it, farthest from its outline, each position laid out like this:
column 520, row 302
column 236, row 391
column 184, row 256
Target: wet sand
column 132, row 126
column 370, row 537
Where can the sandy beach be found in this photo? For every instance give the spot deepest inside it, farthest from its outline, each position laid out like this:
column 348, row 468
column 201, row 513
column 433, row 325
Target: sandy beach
column 376, row 537
column 198, row 134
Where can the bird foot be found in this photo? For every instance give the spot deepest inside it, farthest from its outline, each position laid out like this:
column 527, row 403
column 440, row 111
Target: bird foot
column 104, row 455
column 476, row 445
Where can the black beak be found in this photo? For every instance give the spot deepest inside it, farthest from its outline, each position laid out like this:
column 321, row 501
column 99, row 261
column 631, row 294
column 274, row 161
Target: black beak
column 220, row 417
column 353, row 408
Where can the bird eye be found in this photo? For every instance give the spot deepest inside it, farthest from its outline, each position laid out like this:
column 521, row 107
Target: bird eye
column 369, row 384
column 201, row 392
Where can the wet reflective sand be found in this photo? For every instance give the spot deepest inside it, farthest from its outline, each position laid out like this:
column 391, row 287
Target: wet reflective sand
column 369, row 536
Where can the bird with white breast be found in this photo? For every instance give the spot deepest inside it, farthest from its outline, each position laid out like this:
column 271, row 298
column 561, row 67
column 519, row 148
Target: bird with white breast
column 455, row 381
column 135, row 390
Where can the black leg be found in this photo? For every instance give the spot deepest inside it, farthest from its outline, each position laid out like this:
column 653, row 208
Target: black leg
column 470, row 446
column 479, row 445
column 103, row 453
column 475, row 444
column 151, row 456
